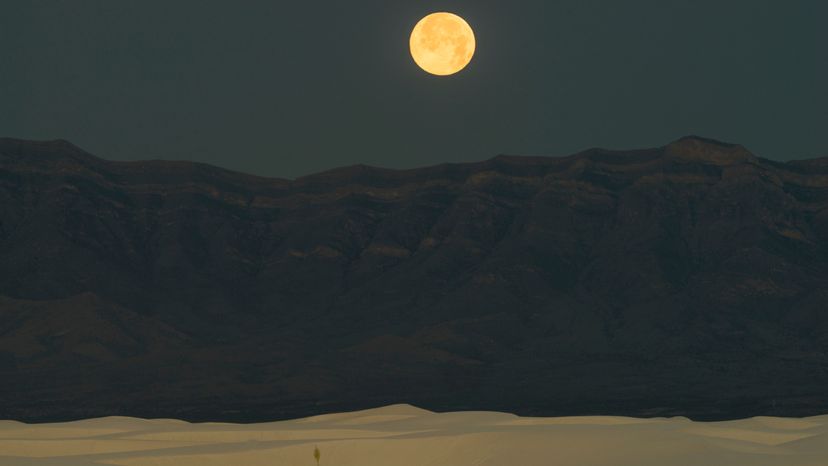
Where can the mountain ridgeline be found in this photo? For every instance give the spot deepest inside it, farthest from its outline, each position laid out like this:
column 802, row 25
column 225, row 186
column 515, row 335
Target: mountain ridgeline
column 691, row 279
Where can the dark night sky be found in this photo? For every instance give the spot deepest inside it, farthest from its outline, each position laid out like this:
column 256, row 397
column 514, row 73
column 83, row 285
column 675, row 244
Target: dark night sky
column 284, row 89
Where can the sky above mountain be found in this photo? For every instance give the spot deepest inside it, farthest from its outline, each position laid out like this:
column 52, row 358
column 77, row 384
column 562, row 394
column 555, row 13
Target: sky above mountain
column 284, row 89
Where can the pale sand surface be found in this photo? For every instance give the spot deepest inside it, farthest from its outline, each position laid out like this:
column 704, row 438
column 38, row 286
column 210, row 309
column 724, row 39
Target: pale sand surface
column 402, row 435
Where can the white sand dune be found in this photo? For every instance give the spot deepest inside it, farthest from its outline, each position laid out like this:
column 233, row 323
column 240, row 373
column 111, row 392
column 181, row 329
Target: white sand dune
column 402, row 435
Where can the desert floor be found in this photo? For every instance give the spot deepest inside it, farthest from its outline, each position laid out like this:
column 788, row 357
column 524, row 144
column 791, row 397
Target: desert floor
column 402, row 435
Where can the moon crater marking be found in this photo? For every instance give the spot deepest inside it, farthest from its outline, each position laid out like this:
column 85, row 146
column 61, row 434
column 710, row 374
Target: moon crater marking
column 442, row 43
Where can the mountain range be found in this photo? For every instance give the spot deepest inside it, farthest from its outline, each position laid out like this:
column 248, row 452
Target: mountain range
column 689, row 279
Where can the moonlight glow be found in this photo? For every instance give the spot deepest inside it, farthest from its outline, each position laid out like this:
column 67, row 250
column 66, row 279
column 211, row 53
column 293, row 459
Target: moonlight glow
column 442, row 43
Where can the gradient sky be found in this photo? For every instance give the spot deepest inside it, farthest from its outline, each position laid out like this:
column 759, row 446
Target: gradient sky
column 285, row 88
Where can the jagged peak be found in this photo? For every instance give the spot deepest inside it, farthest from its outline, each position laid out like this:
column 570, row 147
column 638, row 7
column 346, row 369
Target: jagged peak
column 692, row 138
column 4, row 141
column 53, row 148
column 701, row 149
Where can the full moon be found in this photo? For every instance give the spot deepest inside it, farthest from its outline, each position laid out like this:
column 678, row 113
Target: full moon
column 442, row 43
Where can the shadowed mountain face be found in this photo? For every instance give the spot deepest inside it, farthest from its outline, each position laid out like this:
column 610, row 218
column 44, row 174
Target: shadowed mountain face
column 690, row 279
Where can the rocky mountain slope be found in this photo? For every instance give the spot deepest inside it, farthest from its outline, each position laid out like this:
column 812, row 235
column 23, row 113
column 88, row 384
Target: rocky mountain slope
column 689, row 279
